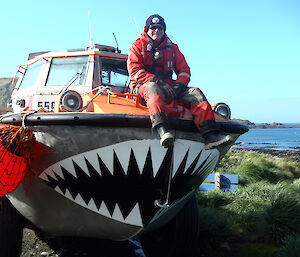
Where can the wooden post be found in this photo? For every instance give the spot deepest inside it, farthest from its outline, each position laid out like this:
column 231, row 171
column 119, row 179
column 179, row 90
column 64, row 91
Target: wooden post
column 217, row 181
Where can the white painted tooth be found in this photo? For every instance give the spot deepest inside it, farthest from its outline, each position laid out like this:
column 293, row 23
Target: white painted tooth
column 195, row 149
column 134, row 217
column 214, row 155
column 43, row 176
column 106, row 155
column 57, row 189
column 117, row 215
column 79, row 200
column 92, row 158
column 123, row 153
column 180, row 149
column 140, row 150
column 158, row 154
column 57, row 170
column 68, row 165
column 211, row 161
column 68, row 195
column 103, row 210
column 92, row 206
column 80, row 161
column 48, row 172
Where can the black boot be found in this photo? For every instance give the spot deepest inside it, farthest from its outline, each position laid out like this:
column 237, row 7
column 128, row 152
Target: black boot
column 216, row 138
column 166, row 138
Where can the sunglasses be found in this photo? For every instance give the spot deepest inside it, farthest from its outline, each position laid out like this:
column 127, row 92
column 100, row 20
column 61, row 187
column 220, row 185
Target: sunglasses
column 156, row 27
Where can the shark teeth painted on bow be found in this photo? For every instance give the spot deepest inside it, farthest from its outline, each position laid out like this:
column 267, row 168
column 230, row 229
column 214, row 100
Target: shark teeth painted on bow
column 133, row 218
column 194, row 152
column 122, row 151
column 78, row 177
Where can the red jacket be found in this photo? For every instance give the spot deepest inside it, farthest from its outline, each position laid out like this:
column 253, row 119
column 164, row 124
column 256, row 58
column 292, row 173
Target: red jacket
column 143, row 67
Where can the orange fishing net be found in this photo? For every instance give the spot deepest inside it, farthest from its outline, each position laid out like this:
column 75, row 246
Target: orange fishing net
column 16, row 147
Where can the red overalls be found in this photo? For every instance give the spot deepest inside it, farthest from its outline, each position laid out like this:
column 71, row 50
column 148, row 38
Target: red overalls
column 146, row 61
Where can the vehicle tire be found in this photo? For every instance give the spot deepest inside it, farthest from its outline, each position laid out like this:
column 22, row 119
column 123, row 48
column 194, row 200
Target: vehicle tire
column 11, row 229
column 178, row 237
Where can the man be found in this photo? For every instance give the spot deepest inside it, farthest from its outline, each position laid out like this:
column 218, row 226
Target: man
column 152, row 59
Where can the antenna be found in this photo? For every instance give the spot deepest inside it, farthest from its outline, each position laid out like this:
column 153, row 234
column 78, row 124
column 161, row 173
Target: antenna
column 91, row 39
column 116, row 43
column 136, row 27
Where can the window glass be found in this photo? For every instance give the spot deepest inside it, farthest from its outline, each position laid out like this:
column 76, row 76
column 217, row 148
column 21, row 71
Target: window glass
column 114, row 72
column 67, row 70
column 31, row 74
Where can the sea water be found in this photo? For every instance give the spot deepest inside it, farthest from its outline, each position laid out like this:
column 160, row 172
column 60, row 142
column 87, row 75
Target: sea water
column 275, row 139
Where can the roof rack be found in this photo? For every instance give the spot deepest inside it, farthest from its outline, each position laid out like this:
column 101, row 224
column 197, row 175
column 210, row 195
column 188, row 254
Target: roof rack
column 106, row 48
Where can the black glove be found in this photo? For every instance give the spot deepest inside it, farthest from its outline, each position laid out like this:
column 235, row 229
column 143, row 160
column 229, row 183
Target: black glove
column 170, row 94
column 158, row 81
column 179, row 88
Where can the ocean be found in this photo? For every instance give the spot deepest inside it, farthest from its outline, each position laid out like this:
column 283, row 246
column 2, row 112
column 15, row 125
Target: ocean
column 275, row 139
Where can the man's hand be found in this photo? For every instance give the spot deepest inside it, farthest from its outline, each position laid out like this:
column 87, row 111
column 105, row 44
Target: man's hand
column 170, row 94
column 179, row 88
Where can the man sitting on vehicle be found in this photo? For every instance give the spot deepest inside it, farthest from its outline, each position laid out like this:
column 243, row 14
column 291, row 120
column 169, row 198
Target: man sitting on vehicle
column 152, row 59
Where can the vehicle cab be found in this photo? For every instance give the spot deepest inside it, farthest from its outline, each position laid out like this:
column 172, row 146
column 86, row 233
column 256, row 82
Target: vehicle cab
column 45, row 75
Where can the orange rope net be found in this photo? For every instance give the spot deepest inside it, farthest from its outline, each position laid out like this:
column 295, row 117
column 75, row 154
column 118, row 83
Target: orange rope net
column 16, row 147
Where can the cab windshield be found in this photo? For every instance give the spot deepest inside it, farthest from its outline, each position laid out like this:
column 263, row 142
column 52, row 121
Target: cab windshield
column 31, row 74
column 65, row 70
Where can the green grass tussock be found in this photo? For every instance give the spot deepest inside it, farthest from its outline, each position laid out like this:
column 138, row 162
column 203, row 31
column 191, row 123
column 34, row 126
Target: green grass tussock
column 290, row 247
column 253, row 167
column 214, row 226
column 264, row 213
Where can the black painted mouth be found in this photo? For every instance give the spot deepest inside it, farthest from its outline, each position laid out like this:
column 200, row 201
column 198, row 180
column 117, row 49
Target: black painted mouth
column 126, row 190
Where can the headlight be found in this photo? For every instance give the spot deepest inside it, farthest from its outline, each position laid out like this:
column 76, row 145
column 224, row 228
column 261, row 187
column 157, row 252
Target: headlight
column 70, row 101
column 222, row 109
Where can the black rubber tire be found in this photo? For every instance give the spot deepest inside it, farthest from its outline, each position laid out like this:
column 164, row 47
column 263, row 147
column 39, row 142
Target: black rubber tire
column 178, row 238
column 11, row 229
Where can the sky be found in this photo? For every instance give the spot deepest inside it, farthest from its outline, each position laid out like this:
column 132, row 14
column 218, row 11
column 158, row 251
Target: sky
column 245, row 53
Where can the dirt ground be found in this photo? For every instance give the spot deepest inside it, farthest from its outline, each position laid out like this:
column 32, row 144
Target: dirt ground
column 37, row 245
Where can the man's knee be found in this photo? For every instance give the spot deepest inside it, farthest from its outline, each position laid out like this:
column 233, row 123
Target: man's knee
column 193, row 96
column 153, row 88
column 196, row 92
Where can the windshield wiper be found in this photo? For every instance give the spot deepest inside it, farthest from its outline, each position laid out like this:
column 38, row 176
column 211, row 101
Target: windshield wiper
column 72, row 80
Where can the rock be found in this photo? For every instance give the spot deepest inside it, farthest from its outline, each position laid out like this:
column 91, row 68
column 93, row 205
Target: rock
column 225, row 246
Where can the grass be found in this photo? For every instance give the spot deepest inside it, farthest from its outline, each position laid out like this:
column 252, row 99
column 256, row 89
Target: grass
column 290, row 247
column 253, row 167
column 262, row 218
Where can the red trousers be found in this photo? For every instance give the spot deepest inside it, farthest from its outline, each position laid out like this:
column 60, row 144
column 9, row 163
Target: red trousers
column 192, row 98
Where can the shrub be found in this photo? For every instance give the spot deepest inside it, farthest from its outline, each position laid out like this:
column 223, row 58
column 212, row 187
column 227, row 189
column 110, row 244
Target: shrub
column 290, row 247
column 265, row 208
column 248, row 201
column 257, row 250
column 214, row 227
column 215, row 198
column 281, row 217
column 253, row 167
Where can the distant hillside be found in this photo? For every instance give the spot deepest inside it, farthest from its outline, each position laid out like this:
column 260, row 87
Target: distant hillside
column 245, row 122
column 265, row 125
column 5, row 91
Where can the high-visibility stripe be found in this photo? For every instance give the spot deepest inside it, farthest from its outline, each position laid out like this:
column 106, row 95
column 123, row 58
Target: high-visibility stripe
column 138, row 73
column 184, row 74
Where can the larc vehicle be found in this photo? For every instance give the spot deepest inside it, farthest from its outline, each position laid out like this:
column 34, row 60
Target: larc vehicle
column 82, row 159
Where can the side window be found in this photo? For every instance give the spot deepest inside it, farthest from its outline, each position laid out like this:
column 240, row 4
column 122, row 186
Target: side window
column 114, row 72
column 31, row 74
column 66, row 70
